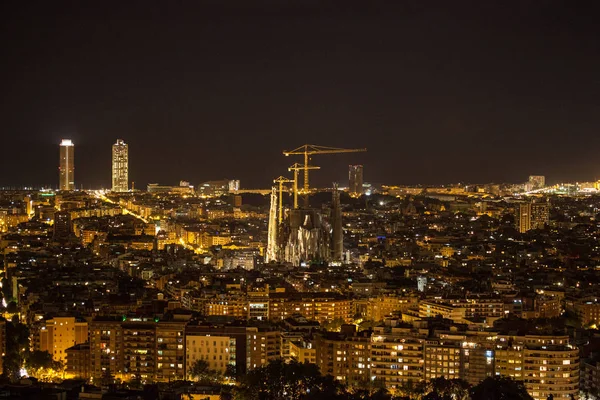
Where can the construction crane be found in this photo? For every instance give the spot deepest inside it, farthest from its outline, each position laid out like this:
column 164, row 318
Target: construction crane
column 310, row 149
column 297, row 167
column 281, row 180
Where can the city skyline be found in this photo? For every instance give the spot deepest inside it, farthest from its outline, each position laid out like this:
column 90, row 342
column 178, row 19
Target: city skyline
column 300, row 199
column 453, row 92
column 120, row 173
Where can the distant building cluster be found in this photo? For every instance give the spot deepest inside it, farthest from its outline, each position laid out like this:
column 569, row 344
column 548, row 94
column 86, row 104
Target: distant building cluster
column 401, row 307
column 120, row 175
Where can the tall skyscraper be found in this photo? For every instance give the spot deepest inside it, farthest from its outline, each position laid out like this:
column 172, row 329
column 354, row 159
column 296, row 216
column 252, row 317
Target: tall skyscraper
column 355, row 179
column 338, row 233
column 67, row 165
column 120, row 166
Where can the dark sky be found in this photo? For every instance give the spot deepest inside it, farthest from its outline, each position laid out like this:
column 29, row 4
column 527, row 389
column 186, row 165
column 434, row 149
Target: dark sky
column 439, row 91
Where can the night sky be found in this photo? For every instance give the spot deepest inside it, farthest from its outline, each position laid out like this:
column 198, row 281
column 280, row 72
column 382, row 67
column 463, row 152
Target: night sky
column 438, row 91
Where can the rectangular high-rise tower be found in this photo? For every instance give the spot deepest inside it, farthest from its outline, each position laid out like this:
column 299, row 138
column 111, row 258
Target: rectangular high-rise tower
column 537, row 182
column 355, row 174
column 120, row 166
column 67, row 165
column 531, row 216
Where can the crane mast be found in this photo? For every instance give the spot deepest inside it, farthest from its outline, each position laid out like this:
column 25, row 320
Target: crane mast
column 297, row 167
column 281, row 180
column 308, row 150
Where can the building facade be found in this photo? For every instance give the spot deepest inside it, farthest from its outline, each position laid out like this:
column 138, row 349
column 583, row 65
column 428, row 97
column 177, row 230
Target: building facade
column 78, row 361
column 345, row 355
column 60, row 333
column 66, row 166
column 397, row 357
column 355, row 180
column 537, row 182
column 531, row 216
column 120, row 166
column 548, row 365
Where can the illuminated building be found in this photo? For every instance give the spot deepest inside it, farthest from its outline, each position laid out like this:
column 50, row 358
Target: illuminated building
column 303, row 352
column 590, row 378
column 237, row 200
column 478, row 359
column 479, row 306
column 588, row 310
column 345, row 355
column 310, row 234
column 336, row 223
column 59, row 334
column 428, row 309
column 203, row 342
column 153, row 350
column 531, row 216
column 536, row 182
column 139, row 350
column 88, row 235
column 218, row 188
column 106, row 346
column 421, row 283
column 209, row 240
column 216, row 350
column 67, row 165
column 272, row 247
column 8, row 220
column 181, row 189
column 453, row 356
column 548, row 365
column 245, row 259
column 377, row 308
column 78, row 361
column 321, row 307
column 170, row 353
column 258, row 304
column 234, row 185
column 542, row 306
column 442, row 359
column 62, row 224
column 355, row 179
column 120, row 166
column 396, row 357
column 305, row 234
column 264, row 346
column 229, row 304
column 509, row 360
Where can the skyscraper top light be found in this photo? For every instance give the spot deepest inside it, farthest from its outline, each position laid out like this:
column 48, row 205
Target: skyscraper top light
column 120, row 166
column 66, row 165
